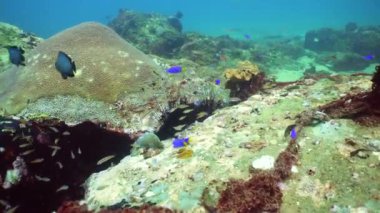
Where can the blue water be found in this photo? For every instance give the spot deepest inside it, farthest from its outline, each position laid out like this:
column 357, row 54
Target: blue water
column 235, row 17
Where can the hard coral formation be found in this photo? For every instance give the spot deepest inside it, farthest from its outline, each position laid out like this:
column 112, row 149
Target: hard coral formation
column 48, row 161
column 109, row 70
column 244, row 80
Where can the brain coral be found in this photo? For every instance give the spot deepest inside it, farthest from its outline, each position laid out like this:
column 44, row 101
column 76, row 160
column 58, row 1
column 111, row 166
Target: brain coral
column 245, row 70
column 109, row 70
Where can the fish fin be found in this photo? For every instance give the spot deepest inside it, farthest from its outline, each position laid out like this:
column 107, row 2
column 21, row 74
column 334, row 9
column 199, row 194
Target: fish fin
column 64, row 76
column 74, row 67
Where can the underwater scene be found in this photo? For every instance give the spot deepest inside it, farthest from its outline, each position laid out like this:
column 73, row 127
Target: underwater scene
column 229, row 106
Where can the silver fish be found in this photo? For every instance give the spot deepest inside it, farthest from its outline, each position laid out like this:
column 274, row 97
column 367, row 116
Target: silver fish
column 59, row 164
column 179, row 127
column 25, row 145
column 66, row 133
column 105, row 159
column 38, row 160
column 182, row 106
column 188, row 111
column 44, row 179
column 62, row 188
column 201, row 115
column 27, row 152
column 54, row 129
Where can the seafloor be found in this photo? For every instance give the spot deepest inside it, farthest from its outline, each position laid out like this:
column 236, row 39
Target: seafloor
column 81, row 144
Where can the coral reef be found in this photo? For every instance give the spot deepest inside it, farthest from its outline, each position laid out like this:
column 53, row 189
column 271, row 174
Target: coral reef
column 44, row 162
column 355, row 39
column 112, row 71
column 224, row 146
column 162, row 36
column 244, row 80
column 151, row 33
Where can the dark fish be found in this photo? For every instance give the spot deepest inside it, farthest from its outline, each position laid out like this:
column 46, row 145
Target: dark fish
column 65, row 65
column 16, row 55
column 178, row 14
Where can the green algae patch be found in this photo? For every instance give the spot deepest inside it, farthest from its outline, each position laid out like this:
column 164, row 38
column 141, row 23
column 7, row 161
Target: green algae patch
column 329, row 175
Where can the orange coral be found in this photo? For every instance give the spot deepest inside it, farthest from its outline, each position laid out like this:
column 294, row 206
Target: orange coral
column 244, row 71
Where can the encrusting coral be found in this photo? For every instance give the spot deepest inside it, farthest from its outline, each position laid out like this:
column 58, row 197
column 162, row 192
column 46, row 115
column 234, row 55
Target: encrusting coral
column 244, row 80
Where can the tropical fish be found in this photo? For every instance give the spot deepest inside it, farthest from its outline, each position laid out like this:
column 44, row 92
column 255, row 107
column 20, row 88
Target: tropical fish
column 179, row 127
column 105, row 159
column 65, row 65
column 184, row 153
column 246, row 36
column 187, row 111
column 217, row 81
column 16, row 55
column 293, row 133
column 201, row 115
column 289, row 129
column 180, row 142
column 369, row 57
column 175, row 69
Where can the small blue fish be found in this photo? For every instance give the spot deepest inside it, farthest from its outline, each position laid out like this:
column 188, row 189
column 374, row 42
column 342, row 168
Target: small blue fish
column 180, row 142
column 65, row 65
column 293, row 133
column 16, row 55
column 217, row 81
column 246, row 36
column 369, row 57
column 174, row 69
